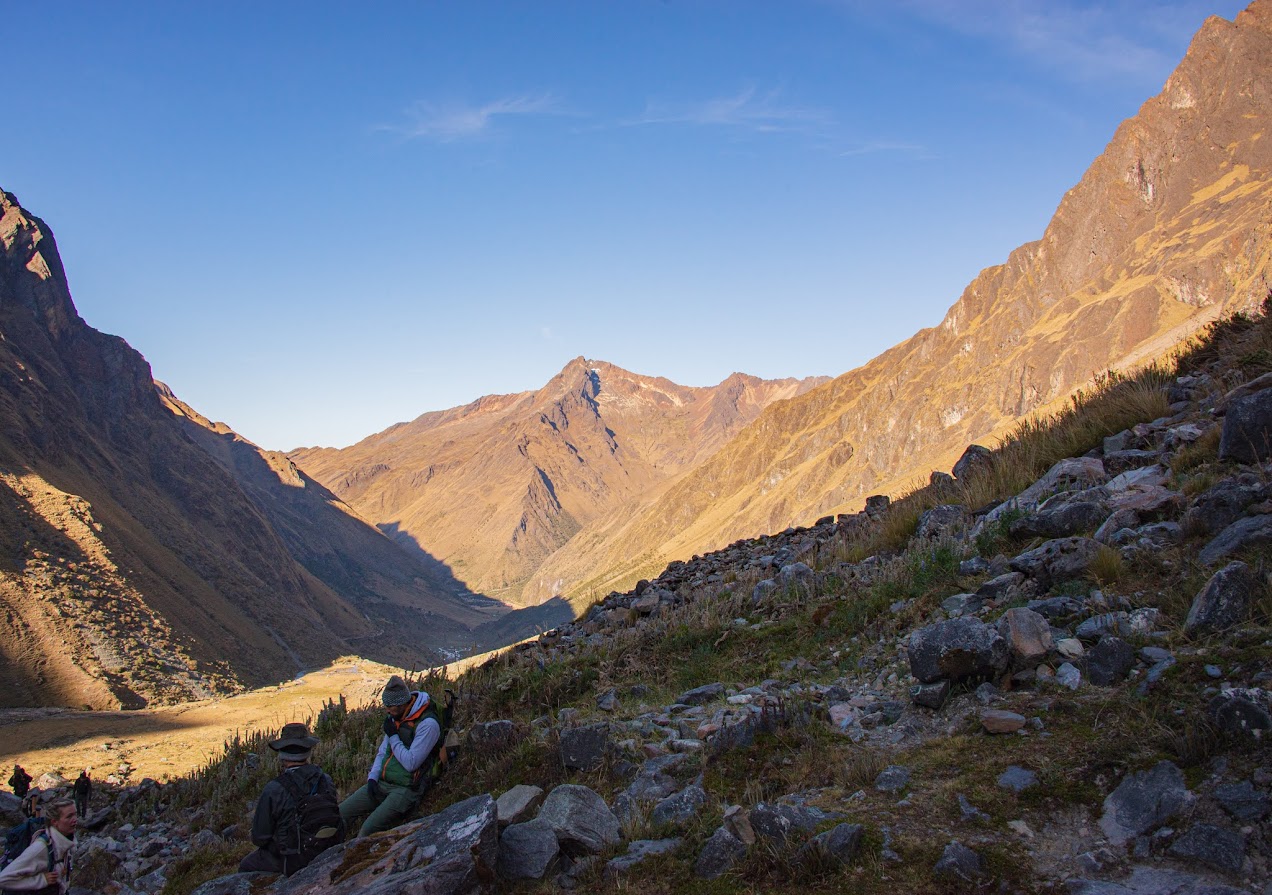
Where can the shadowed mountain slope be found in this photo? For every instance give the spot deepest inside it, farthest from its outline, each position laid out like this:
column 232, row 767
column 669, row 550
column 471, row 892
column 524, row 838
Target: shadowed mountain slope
column 496, row 487
column 139, row 560
column 1168, row 229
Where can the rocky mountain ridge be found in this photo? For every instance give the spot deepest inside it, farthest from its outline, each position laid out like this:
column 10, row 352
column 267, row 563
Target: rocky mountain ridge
column 498, row 486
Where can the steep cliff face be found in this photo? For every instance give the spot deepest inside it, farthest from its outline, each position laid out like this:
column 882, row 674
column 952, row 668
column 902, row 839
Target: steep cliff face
column 134, row 567
column 498, row 486
column 1169, row 228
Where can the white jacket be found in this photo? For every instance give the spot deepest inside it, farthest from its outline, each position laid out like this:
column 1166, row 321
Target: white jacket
column 26, row 873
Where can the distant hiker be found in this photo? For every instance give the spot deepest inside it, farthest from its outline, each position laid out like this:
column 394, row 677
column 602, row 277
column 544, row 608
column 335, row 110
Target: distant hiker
column 404, row 765
column 20, row 781
column 32, row 801
column 83, row 791
column 44, row 866
column 298, row 814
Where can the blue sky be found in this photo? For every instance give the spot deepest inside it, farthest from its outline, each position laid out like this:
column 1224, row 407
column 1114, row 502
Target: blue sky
column 317, row 219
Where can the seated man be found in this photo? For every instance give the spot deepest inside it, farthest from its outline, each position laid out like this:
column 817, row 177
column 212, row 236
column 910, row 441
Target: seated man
column 403, row 764
column 297, row 816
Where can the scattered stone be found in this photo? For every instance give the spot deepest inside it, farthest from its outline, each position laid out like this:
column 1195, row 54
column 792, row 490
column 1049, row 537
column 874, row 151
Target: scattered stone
column 738, row 822
column 1109, row 661
column 931, row 696
column 1064, row 514
column 1057, row 560
column 722, row 851
column 608, row 701
column 1001, row 586
column 638, row 852
column 1241, row 711
column 1250, row 531
column 518, row 803
column 1243, row 801
column 999, row 721
column 959, row 862
column 893, row 779
column 1017, row 779
column 941, row 520
column 1070, row 648
column 584, row 748
column 1210, row 845
column 1144, row 801
column 777, row 822
column 527, row 850
column 1224, row 602
column 1028, row 636
column 970, row 813
column 961, row 604
column 491, row 735
column 701, row 695
column 838, row 845
column 582, row 821
column 1068, row 675
column 1247, row 429
column 975, row 458
column 679, row 808
column 955, row 650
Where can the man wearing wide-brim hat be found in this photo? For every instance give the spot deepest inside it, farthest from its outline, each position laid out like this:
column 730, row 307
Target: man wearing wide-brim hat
column 287, row 805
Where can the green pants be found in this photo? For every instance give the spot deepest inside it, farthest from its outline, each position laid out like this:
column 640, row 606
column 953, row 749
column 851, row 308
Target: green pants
column 398, row 804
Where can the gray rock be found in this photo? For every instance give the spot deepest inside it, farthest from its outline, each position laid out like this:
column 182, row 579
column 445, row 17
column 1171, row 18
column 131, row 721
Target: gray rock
column 974, row 566
column 679, row 808
column 1224, row 602
column 1060, row 559
column 607, row 701
column 970, row 813
column 1210, row 845
column 975, row 458
column 1144, row 801
column 1252, row 531
column 1241, row 711
column 893, row 778
column 701, row 695
column 234, row 884
column 638, row 852
column 1109, row 661
column 959, row 862
column 961, row 604
column 1247, row 429
column 1064, row 514
column 777, row 822
column 1111, row 529
column 762, row 590
column 931, row 696
column 1028, row 636
column 1243, row 801
column 204, row 839
column 1001, row 586
column 1151, row 881
column 941, row 520
column 491, row 735
column 1056, row 607
column 1068, row 675
column 582, row 821
column 721, row 853
column 955, row 650
column 1017, row 779
column 584, row 748
column 1222, row 504
column 838, row 845
column 527, row 850
column 517, row 804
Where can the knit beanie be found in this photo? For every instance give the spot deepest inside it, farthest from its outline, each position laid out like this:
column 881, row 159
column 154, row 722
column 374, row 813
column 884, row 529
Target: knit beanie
column 396, row 692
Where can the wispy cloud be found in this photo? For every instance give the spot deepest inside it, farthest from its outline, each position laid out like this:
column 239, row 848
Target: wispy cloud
column 448, row 122
column 872, row 147
column 1083, row 41
column 749, row 109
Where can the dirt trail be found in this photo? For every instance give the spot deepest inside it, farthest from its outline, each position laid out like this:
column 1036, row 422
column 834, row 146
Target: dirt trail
column 173, row 740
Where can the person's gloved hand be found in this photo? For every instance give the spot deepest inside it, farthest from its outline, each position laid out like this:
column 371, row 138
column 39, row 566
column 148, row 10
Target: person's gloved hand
column 373, row 787
column 390, row 726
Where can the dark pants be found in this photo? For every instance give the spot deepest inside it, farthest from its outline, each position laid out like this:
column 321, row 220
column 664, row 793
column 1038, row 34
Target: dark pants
column 262, row 861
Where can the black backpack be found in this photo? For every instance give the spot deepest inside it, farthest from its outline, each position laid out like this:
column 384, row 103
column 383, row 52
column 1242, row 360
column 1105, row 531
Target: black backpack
column 19, row 839
column 318, row 824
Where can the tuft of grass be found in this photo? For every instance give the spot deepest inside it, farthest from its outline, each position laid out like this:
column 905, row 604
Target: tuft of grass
column 187, row 873
column 1107, row 566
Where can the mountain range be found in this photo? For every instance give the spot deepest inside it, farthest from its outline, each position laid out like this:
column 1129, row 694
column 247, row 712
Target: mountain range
column 150, row 555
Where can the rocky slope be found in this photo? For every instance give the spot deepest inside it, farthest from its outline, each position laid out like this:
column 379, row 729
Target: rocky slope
column 1167, row 230
column 134, row 566
column 497, row 487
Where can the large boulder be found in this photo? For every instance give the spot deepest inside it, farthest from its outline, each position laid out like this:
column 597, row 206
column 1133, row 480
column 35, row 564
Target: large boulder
column 583, row 823
column 957, row 649
column 1222, row 504
column 1109, row 661
column 1144, row 801
column 1064, row 514
column 584, row 748
column 779, row 822
column 1224, row 602
column 678, row 808
column 1075, row 473
column 1247, row 429
column 940, row 520
column 975, row 458
column 1252, row 531
column 528, row 850
column 447, row 853
column 1057, row 560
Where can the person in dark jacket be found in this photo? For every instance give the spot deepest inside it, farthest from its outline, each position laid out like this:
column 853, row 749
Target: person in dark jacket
column 83, row 791
column 20, row 781
column 275, row 829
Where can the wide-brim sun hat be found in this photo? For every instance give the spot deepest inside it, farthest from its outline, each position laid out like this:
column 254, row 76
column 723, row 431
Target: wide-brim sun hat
column 294, row 741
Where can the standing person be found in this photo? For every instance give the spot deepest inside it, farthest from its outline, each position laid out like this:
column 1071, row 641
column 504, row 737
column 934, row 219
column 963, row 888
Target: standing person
column 83, row 791
column 20, row 781
column 298, row 814
column 45, row 866
column 403, row 764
